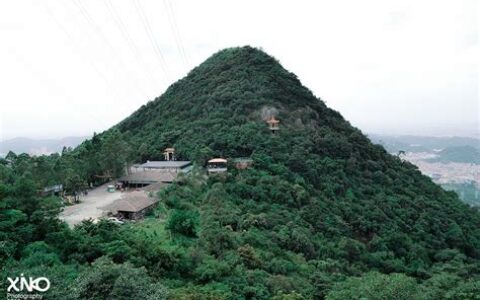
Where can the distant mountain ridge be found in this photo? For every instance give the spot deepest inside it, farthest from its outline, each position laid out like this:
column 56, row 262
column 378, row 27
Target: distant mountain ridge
column 39, row 146
column 412, row 143
column 460, row 154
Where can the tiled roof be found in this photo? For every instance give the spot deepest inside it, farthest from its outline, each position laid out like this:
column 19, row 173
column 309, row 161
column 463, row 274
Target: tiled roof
column 165, row 164
column 147, row 177
column 132, row 202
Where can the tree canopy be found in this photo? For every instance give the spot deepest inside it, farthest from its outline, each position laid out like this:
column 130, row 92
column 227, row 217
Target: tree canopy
column 322, row 213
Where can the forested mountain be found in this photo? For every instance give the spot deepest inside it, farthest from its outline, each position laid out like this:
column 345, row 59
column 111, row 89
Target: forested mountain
column 322, row 214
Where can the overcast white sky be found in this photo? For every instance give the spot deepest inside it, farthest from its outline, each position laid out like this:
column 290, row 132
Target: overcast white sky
column 71, row 67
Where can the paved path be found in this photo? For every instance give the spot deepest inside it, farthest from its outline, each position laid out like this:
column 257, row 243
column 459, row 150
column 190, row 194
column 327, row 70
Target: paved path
column 90, row 206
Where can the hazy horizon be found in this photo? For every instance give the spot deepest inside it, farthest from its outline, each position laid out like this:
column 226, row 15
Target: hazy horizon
column 368, row 133
column 445, row 132
column 74, row 68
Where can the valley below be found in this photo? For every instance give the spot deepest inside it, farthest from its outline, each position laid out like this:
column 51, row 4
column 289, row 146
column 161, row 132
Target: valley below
column 451, row 162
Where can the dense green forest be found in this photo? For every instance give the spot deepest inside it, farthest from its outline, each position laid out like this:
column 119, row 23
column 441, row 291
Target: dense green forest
column 322, row 214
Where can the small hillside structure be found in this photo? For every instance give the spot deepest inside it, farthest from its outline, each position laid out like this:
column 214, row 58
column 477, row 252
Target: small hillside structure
column 273, row 124
column 141, row 179
column 217, row 165
column 161, row 165
column 134, row 206
column 243, row 163
column 154, row 172
column 169, row 154
column 54, row 190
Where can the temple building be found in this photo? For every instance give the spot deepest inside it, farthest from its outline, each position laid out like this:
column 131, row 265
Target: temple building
column 155, row 172
column 169, row 154
column 273, row 124
column 217, row 165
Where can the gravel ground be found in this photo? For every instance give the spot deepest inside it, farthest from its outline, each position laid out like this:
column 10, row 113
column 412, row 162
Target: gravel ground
column 90, row 206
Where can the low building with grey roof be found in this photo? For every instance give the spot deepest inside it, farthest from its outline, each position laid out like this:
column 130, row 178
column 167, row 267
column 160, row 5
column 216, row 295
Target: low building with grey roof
column 133, row 206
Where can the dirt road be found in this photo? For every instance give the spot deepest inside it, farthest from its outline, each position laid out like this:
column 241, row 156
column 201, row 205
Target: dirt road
column 90, row 206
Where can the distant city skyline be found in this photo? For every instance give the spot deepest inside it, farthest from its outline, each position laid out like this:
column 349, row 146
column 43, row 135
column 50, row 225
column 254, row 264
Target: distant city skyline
column 71, row 68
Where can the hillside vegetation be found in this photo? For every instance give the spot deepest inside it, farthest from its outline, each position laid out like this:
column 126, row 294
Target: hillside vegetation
column 322, row 214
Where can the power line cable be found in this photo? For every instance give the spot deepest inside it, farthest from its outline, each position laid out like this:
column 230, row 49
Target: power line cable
column 128, row 38
column 176, row 32
column 103, row 37
column 151, row 37
column 110, row 90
